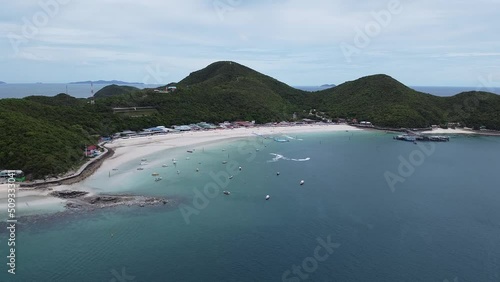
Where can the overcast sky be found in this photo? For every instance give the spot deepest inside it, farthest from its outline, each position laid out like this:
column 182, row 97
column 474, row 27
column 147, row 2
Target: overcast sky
column 425, row 42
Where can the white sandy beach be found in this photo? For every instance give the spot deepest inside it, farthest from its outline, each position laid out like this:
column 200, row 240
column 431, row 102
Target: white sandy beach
column 135, row 148
column 449, row 131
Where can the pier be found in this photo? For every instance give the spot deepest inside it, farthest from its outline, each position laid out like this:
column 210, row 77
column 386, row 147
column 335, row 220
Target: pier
column 416, row 137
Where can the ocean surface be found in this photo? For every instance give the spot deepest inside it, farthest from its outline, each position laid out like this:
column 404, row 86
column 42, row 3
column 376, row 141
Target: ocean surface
column 436, row 219
column 21, row 90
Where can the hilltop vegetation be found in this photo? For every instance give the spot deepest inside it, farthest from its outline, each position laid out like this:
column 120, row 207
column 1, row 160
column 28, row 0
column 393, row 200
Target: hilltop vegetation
column 45, row 136
column 113, row 90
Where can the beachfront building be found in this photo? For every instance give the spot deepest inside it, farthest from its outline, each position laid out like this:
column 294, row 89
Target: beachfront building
column 91, row 151
column 182, row 127
column 366, row 123
column 243, row 124
column 205, row 125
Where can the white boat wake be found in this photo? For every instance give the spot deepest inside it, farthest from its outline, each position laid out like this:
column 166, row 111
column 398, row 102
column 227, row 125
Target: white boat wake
column 293, row 138
column 278, row 157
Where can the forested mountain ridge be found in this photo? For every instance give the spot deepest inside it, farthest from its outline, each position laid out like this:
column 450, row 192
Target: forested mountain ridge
column 45, row 136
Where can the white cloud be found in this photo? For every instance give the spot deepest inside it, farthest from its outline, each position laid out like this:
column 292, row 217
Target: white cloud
column 429, row 42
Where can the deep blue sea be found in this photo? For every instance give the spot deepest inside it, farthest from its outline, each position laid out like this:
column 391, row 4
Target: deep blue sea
column 436, row 218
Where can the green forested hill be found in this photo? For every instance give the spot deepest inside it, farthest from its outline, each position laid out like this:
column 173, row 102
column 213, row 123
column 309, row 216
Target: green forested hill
column 39, row 139
column 383, row 101
column 46, row 135
column 113, row 90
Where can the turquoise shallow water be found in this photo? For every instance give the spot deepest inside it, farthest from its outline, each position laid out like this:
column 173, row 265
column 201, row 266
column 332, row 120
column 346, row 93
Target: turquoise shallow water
column 441, row 223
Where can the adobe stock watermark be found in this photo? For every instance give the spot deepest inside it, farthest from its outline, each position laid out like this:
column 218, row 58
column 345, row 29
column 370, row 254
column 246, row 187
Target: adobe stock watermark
column 321, row 253
column 488, row 82
column 407, row 166
column 222, row 7
column 121, row 277
column 363, row 36
column 220, row 181
column 31, row 26
column 155, row 75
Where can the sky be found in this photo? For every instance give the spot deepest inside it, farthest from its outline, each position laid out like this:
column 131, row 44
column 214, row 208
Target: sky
column 314, row 42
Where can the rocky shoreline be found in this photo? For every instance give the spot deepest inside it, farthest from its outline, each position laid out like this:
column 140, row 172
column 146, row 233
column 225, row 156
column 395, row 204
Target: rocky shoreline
column 79, row 201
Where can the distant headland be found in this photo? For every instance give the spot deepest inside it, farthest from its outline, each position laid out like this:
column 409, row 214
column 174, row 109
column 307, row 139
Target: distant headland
column 105, row 82
column 1, row 82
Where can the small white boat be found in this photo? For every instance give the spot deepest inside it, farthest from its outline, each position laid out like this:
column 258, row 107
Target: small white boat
column 268, row 197
column 173, row 159
column 144, row 160
column 197, row 169
column 178, row 172
column 231, row 177
column 278, row 173
column 165, row 165
column 302, row 182
column 155, row 174
column 226, row 193
column 240, row 168
column 144, row 163
column 224, row 162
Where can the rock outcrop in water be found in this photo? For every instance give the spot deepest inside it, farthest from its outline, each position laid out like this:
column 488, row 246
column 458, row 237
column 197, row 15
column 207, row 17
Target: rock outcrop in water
column 77, row 200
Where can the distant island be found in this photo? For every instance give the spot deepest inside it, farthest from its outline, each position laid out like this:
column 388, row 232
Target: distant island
column 105, row 82
column 1, row 82
column 328, row 85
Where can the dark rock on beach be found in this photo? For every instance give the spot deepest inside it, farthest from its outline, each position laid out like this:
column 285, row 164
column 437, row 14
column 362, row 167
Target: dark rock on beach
column 68, row 194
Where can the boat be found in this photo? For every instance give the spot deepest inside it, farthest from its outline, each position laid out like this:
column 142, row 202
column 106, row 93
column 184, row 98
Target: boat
column 224, row 162
column 268, row 197
column 178, row 172
column 197, row 169
column 165, row 165
column 406, row 137
column 302, row 182
column 278, row 173
column 281, row 140
column 144, row 163
column 187, row 158
column 231, row 177
column 240, row 168
column 226, row 193
column 190, row 151
column 140, row 168
column 144, row 160
column 415, row 138
column 158, row 179
column 155, row 174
